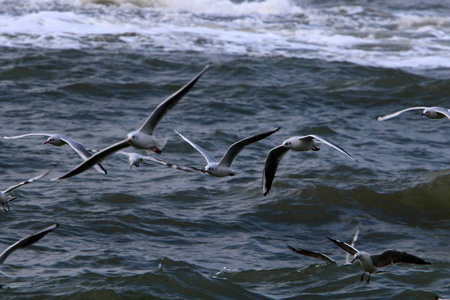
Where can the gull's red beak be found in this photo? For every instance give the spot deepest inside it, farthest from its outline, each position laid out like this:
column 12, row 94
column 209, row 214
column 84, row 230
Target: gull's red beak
column 157, row 150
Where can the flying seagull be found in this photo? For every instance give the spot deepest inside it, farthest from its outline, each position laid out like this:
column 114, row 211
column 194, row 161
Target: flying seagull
column 371, row 263
column 136, row 159
column 296, row 143
column 222, row 168
column 56, row 139
column 5, row 197
column 25, row 242
column 433, row 112
column 143, row 137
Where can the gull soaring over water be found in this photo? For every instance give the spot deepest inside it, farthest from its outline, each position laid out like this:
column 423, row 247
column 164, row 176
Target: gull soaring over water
column 141, row 138
column 25, row 242
column 222, row 168
column 296, row 143
column 434, row 112
column 371, row 263
column 57, row 139
column 5, row 197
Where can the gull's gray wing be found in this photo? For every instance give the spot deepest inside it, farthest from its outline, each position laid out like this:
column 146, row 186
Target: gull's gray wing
column 393, row 256
column 344, row 246
column 25, row 135
column 81, row 150
column 270, row 167
column 444, row 111
column 26, row 241
column 95, row 159
column 310, row 253
column 160, row 111
column 234, row 150
column 355, row 238
column 209, row 158
column 12, row 188
column 386, row 117
column 332, row 145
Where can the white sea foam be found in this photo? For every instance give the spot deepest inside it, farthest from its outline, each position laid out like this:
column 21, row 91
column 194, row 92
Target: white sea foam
column 355, row 34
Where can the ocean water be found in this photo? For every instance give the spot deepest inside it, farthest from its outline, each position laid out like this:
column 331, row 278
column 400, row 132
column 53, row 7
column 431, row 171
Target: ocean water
column 95, row 70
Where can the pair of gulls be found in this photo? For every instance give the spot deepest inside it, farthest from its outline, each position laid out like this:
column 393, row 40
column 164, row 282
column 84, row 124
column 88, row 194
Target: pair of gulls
column 370, row 262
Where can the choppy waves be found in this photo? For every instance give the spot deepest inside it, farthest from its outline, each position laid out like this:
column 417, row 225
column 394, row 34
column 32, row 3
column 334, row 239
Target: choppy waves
column 364, row 35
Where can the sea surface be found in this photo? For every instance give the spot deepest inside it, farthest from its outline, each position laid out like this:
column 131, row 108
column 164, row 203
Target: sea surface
column 95, row 70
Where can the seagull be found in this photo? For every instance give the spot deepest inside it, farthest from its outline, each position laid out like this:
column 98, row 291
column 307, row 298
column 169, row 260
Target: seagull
column 371, row 263
column 57, row 139
column 434, row 112
column 143, row 137
column 136, row 159
column 222, row 168
column 5, row 197
column 25, row 242
column 296, row 143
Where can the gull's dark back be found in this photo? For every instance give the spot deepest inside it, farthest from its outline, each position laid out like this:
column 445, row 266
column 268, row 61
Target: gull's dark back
column 393, row 256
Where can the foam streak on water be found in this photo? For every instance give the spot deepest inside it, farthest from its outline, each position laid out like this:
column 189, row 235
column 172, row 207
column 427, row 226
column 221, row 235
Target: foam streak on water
column 366, row 35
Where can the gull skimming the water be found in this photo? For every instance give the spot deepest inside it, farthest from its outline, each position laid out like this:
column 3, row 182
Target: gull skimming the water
column 143, row 137
column 25, row 242
column 296, row 143
column 56, row 139
column 434, row 112
column 222, row 168
column 5, row 197
column 371, row 263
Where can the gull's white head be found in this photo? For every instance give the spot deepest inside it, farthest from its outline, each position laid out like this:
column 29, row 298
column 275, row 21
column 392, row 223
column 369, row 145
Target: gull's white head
column 356, row 257
column 427, row 112
column 135, row 161
column 54, row 140
column 363, row 257
column 133, row 137
column 288, row 143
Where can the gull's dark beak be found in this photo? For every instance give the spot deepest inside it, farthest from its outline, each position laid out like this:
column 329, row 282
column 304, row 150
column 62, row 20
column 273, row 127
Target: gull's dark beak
column 354, row 259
